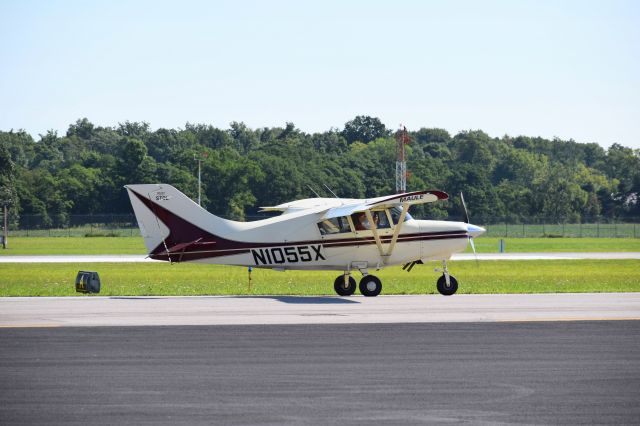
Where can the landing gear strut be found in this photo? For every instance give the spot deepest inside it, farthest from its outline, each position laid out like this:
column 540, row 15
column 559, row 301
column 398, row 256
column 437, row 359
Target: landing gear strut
column 344, row 285
column 447, row 284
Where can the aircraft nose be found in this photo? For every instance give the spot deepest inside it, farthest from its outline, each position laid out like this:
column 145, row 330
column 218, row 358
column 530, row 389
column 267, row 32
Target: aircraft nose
column 475, row 231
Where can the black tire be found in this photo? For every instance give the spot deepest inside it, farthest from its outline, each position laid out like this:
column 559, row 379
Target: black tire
column 445, row 290
column 370, row 286
column 341, row 289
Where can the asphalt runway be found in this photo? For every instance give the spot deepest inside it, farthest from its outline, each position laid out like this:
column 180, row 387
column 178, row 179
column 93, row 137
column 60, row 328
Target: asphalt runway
column 428, row 359
column 362, row 374
column 136, row 258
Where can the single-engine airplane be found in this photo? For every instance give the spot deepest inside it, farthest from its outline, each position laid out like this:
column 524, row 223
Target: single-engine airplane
column 340, row 234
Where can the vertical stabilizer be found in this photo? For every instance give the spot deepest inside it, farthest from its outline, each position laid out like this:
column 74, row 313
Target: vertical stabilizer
column 169, row 219
column 153, row 231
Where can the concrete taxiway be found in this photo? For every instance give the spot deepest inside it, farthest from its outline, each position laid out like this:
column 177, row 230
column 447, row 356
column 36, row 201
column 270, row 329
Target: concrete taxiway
column 135, row 258
column 221, row 310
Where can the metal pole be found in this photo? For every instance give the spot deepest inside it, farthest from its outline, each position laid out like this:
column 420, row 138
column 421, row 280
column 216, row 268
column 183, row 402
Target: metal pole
column 199, row 160
column 6, row 231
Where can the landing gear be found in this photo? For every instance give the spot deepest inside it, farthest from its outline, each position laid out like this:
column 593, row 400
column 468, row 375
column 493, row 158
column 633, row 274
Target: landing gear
column 447, row 289
column 370, row 286
column 345, row 286
column 447, row 284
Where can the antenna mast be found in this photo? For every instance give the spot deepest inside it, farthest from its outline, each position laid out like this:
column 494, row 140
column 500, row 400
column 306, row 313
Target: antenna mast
column 401, row 163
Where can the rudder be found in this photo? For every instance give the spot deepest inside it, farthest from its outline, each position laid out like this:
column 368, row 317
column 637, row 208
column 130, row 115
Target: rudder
column 167, row 217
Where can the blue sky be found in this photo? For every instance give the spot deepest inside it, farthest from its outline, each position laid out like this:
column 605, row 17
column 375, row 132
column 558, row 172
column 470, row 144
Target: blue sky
column 569, row 69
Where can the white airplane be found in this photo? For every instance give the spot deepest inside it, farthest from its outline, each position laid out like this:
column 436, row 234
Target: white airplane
column 339, row 234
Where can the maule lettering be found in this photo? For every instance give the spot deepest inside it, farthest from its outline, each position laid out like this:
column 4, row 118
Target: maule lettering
column 280, row 255
column 411, row 198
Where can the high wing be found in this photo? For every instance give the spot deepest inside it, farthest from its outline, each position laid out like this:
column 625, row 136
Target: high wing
column 404, row 200
column 399, row 200
column 309, row 204
column 408, row 198
column 337, row 207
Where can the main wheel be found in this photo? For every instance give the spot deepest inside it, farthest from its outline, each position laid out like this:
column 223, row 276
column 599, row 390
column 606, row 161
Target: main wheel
column 370, row 286
column 447, row 290
column 342, row 288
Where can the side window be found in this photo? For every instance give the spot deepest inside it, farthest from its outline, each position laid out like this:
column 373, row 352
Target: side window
column 334, row 225
column 362, row 224
column 360, row 221
column 381, row 219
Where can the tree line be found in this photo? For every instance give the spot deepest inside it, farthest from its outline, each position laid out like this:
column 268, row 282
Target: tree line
column 508, row 178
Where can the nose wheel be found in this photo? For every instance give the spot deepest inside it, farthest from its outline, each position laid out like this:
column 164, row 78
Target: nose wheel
column 447, row 284
column 447, row 288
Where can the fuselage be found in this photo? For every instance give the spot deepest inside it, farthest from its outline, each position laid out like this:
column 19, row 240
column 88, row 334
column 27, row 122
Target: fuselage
column 294, row 241
column 314, row 234
column 318, row 233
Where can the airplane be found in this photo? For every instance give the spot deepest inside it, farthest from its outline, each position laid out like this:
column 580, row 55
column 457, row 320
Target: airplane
column 340, row 234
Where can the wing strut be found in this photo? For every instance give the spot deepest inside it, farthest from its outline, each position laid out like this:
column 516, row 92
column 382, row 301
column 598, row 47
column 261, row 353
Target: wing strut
column 374, row 229
column 396, row 233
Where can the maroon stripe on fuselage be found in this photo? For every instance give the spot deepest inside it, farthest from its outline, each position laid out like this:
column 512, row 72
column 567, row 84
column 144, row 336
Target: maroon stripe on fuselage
column 196, row 255
column 181, row 230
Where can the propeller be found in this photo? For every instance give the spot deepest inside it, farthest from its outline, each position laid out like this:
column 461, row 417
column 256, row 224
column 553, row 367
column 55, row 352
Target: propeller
column 470, row 228
column 472, row 231
column 464, row 206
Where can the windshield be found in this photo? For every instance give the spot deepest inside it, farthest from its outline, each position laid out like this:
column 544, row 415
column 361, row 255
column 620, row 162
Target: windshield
column 395, row 215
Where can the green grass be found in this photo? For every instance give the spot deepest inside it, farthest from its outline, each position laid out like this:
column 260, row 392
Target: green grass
column 576, row 230
column 74, row 245
column 538, row 245
column 196, row 279
column 134, row 245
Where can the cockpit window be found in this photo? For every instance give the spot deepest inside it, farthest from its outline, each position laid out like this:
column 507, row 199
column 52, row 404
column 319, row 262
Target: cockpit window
column 381, row 219
column 334, row 225
column 395, row 215
column 361, row 222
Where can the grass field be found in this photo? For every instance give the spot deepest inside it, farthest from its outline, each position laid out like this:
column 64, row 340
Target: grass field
column 134, row 245
column 572, row 230
column 542, row 245
column 501, row 230
column 195, row 279
column 74, row 245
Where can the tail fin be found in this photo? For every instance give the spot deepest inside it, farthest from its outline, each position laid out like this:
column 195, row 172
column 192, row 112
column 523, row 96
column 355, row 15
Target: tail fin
column 169, row 219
